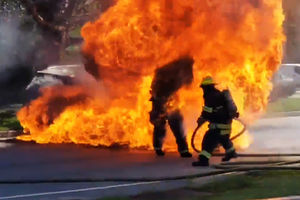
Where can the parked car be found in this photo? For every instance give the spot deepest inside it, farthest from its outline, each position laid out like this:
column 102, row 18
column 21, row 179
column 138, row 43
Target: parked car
column 292, row 71
column 285, row 81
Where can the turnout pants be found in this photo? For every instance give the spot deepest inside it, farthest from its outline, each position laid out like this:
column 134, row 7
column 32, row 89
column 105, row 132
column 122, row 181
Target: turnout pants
column 175, row 121
column 211, row 139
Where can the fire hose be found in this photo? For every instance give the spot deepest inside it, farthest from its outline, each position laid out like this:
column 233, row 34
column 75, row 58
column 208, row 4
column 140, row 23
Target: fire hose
column 233, row 138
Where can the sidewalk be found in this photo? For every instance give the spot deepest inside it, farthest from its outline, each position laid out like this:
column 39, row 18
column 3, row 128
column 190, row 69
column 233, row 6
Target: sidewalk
column 285, row 198
column 282, row 114
column 9, row 135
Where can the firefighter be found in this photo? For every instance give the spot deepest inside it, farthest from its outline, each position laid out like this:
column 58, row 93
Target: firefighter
column 159, row 118
column 167, row 80
column 219, row 110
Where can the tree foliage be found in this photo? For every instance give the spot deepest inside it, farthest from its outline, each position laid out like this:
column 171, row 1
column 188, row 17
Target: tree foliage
column 53, row 20
column 11, row 8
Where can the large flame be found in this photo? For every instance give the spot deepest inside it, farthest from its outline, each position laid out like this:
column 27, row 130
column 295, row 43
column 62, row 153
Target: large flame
column 238, row 42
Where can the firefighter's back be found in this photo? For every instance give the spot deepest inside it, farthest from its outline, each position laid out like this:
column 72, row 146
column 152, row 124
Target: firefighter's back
column 215, row 103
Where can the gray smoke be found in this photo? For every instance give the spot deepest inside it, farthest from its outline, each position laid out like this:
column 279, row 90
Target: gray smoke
column 17, row 45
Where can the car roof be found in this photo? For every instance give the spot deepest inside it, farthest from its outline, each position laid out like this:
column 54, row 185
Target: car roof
column 62, row 70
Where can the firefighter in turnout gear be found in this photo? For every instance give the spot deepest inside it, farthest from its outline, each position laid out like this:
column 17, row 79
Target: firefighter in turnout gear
column 219, row 110
column 167, row 80
column 159, row 118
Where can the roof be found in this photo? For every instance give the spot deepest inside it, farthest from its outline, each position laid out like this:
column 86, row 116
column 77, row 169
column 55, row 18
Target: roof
column 63, row 70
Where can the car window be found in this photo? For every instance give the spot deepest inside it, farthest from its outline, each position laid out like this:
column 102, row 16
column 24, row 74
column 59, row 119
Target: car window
column 297, row 70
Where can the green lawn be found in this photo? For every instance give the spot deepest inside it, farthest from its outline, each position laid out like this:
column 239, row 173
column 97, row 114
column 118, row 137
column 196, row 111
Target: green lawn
column 9, row 121
column 284, row 105
column 256, row 185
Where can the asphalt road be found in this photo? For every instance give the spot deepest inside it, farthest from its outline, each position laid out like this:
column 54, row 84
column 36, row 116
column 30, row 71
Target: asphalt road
column 23, row 161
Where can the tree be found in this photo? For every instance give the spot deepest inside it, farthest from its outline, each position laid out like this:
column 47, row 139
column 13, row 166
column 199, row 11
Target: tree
column 34, row 34
column 56, row 18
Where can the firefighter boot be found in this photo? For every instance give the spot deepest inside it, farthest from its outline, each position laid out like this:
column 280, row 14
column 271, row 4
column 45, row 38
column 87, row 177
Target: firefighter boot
column 185, row 154
column 202, row 162
column 159, row 152
column 229, row 156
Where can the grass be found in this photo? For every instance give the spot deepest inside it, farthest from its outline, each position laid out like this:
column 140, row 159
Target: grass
column 76, row 32
column 9, row 121
column 284, row 105
column 256, row 185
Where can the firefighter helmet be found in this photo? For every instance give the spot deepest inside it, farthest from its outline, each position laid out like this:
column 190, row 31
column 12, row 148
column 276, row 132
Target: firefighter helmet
column 207, row 81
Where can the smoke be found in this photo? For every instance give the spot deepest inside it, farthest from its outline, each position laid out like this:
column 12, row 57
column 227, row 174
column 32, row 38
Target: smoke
column 17, row 43
column 57, row 104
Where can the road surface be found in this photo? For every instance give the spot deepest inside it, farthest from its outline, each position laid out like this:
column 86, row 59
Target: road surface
column 23, row 161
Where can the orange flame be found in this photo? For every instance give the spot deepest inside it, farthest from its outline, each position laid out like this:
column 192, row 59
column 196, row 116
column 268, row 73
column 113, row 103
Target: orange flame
column 238, row 42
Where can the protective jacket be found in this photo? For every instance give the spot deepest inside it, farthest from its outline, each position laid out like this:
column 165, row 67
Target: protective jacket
column 219, row 107
column 219, row 110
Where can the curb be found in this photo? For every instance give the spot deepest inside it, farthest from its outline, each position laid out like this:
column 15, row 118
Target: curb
column 282, row 114
column 11, row 134
column 285, row 198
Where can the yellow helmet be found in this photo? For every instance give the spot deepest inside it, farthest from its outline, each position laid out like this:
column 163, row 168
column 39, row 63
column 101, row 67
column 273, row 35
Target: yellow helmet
column 207, row 81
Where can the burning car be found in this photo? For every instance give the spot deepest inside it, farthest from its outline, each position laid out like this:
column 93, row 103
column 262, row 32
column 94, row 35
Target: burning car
column 57, row 75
